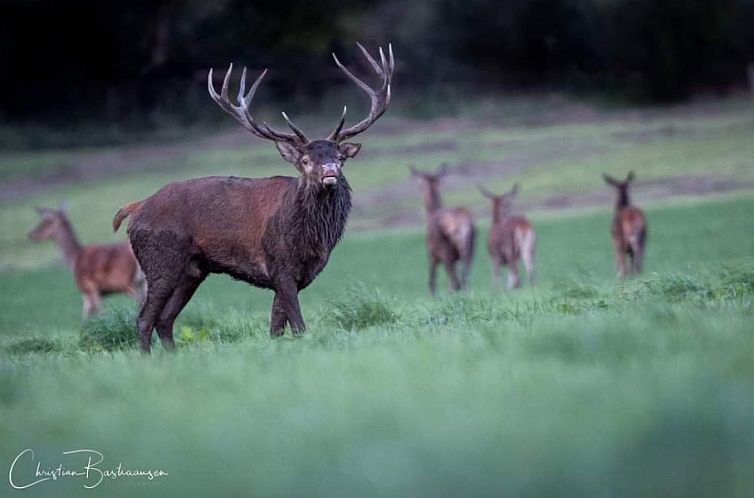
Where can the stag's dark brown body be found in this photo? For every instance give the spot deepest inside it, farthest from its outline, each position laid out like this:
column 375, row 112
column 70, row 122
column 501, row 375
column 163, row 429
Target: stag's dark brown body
column 451, row 234
column 629, row 228
column 276, row 233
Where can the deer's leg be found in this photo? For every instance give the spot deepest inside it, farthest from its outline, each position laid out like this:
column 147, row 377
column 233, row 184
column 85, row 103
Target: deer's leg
column 175, row 304
column 433, row 262
column 287, row 294
column 278, row 318
column 450, row 267
column 638, row 252
column 620, row 259
column 92, row 302
column 495, row 274
column 514, row 279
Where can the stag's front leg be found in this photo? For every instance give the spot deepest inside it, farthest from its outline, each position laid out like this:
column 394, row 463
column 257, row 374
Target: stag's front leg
column 278, row 319
column 287, row 293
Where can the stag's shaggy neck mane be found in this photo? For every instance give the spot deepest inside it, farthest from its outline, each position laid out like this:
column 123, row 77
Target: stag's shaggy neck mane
column 319, row 215
column 66, row 240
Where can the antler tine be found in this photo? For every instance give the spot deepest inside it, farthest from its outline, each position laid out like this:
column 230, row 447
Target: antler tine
column 379, row 100
column 375, row 66
column 334, row 135
column 241, row 112
column 296, row 130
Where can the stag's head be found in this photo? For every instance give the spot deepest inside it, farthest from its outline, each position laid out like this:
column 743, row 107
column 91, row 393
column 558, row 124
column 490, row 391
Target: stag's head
column 52, row 221
column 319, row 162
column 621, row 188
column 429, row 184
column 501, row 204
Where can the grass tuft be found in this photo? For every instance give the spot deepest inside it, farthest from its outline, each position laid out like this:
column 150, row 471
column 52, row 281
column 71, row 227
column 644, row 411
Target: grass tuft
column 34, row 345
column 113, row 330
column 359, row 308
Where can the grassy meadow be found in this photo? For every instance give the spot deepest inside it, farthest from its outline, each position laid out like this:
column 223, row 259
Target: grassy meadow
column 581, row 386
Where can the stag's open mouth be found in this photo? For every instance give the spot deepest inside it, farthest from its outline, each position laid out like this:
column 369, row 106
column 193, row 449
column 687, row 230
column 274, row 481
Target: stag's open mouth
column 330, row 179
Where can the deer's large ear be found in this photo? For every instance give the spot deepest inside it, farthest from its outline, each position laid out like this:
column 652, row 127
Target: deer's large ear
column 349, row 149
column 514, row 189
column 630, row 177
column 289, row 152
column 610, row 180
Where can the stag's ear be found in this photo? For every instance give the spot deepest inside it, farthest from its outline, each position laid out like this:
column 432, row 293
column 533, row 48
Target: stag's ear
column 610, row 180
column 289, row 152
column 630, row 177
column 349, row 149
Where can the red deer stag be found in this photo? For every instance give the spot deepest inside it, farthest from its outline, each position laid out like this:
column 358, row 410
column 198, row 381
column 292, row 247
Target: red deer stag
column 100, row 269
column 450, row 232
column 511, row 238
column 276, row 233
column 629, row 228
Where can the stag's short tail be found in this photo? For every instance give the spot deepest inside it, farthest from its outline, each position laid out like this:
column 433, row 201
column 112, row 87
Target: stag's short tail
column 124, row 212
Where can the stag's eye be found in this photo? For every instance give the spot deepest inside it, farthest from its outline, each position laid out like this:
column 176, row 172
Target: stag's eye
column 305, row 161
column 341, row 157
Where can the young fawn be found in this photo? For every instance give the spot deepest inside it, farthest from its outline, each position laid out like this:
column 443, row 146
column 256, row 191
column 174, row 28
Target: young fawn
column 511, row 238
column 450, row 232
column 100, row 269
column 629, row 230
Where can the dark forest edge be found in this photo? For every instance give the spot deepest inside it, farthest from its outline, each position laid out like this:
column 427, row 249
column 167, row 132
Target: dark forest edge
column 144, row 61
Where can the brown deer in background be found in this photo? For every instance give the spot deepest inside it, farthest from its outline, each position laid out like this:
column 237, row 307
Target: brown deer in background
column 276, row 233
column 629, row 230
column 100, row 269
column 511, row 238
column 450, row 232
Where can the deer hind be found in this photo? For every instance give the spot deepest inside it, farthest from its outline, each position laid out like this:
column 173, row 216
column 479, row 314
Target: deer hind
column 98, row 269
column 276, row 233
column 511, row 238
column 450, row 232
column 629, row 229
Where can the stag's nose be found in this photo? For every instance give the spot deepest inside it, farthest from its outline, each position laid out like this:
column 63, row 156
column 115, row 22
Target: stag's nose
column 330, row 173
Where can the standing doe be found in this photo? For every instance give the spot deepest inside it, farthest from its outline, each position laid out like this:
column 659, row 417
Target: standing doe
column 100, row 269
column 276, row 233
column 450, row 232
column 511, row 238
column 629, row 230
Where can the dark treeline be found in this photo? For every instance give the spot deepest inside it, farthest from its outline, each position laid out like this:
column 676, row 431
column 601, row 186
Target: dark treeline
column 84, row 59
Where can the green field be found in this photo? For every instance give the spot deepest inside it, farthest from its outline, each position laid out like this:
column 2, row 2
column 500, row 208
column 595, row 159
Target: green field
column 582, row 386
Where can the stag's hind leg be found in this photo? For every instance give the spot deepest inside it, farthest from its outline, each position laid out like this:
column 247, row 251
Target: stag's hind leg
column 175, row 304
column 163, row 258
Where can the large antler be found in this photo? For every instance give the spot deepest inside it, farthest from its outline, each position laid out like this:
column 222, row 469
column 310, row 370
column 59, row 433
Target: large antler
column 380, row 99
column 242, row 113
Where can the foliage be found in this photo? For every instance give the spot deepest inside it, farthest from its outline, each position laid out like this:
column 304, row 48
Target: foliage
column 114, row 329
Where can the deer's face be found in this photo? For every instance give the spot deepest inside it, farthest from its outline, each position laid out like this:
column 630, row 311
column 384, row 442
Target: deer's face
column 321, row 161
column 621, row 187
column 48, row 226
